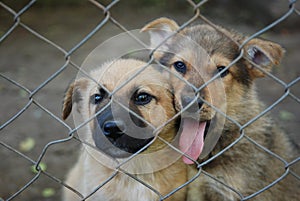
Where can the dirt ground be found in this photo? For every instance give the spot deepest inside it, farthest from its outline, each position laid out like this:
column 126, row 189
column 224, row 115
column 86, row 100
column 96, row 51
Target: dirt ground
column 30, row 61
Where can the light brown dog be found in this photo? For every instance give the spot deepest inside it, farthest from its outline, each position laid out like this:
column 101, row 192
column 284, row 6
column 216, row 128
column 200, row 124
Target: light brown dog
column 197, row 54
column 116, row 134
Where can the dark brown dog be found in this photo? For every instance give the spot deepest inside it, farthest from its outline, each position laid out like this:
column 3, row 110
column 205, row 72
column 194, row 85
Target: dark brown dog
column 197, row 54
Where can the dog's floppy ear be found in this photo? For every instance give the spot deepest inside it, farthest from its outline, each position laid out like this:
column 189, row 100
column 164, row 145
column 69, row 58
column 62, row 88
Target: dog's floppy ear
column 263, row 53
column 159, row 30
column 73, row 94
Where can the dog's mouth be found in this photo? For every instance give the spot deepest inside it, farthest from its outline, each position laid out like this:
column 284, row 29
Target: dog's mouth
column 116, row 138
column 129, row 144
column 118, row 144
column 191, row 141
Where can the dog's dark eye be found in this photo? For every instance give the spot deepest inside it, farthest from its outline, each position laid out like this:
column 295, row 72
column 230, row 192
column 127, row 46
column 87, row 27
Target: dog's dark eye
column 142, row 99
column 223, row 73
column 97, row 98
column 180, row 67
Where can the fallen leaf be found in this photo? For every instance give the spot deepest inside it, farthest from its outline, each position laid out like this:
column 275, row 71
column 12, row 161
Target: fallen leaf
column 42, row 166
column 23, row 93
column 48, row 192
column 27, row 144
column 286, row 115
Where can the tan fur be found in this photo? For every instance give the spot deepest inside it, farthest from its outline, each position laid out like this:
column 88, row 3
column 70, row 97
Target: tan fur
column 89, row 172
column 245, row 167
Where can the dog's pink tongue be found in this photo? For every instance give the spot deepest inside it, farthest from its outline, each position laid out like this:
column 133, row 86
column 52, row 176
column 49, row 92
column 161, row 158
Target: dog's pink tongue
column 191, row 139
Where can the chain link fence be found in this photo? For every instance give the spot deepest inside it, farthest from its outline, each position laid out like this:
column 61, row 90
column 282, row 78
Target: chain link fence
column 28, row 96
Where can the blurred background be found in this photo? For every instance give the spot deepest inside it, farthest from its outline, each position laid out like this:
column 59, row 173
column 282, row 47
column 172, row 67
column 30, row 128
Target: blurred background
column 30, row 59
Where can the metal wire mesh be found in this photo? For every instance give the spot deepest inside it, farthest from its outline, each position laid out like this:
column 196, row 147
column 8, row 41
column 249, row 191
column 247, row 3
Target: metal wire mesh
column 67, row 55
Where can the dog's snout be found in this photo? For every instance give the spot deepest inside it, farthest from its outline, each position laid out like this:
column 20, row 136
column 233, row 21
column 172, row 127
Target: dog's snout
column 113, row 129
column 196, row 105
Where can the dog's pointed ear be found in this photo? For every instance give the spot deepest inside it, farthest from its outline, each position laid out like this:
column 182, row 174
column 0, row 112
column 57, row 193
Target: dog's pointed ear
column 159, row 30
column 73, row 94
column 263, row 53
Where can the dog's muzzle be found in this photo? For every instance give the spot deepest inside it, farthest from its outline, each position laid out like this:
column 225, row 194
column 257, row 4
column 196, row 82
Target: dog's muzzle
column 111, row 138
column 113, row 129
column 192, row 103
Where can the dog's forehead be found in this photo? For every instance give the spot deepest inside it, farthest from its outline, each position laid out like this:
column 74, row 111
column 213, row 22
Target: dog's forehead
column 129, row 73
column 148, row 81
column 210, row 40
column 202, row 47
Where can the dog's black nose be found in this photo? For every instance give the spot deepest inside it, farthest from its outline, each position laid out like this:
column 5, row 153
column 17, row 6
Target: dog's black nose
column 113, row 129
column 186, row 100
